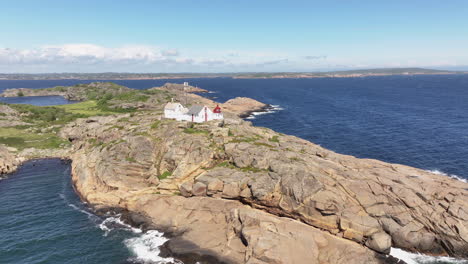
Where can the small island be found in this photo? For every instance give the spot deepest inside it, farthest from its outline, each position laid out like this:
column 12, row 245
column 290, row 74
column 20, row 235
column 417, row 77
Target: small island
column 230, row 190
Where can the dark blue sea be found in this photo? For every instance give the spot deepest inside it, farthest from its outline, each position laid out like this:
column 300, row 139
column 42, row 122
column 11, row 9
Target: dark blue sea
column 421, row 121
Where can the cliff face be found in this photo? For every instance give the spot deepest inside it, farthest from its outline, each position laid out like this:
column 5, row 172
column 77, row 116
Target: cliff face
column 210, row 182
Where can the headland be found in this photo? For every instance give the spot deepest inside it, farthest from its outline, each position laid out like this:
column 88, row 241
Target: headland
column 232, row 191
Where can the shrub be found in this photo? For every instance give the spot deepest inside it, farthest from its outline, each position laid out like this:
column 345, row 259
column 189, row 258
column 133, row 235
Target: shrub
column 165, row 175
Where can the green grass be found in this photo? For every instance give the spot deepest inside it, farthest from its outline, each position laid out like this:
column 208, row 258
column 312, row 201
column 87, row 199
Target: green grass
column 165, row 175
column 132, row 96
column 21, row 139
column 195, row 131
column 251, row 169
column 274, row 139
column 155, row 124
column 86, row 108
column 130, row 159
column 45, row 115
column 226, row 164
column 93, row 108
column 244, row 139
column 263, row 144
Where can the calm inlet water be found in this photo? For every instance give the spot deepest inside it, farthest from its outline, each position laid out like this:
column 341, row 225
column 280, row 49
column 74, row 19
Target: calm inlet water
column 420, row 121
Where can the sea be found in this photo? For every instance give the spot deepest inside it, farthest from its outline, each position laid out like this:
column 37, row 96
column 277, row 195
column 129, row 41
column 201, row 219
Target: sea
column 420, row 121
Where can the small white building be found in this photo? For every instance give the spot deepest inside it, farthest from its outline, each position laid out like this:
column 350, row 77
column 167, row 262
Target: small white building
column 196, row 113
column 175, row 111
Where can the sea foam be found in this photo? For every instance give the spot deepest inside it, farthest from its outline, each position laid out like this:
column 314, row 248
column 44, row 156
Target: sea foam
column 272, row 109
column 453, row 176
column 416, row 258
column 113, row 222
column 145, row 248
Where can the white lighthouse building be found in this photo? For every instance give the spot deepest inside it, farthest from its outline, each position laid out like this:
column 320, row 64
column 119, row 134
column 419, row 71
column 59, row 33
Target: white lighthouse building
column 196, row 113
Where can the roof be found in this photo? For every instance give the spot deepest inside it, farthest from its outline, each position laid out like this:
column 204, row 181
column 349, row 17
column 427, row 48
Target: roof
column 217, row 109
column 171, row 106
column 195, row 109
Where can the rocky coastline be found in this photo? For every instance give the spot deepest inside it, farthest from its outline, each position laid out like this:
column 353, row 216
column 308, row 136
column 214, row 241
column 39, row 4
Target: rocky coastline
column 234, row 193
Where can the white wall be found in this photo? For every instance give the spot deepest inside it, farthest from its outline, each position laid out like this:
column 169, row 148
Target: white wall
column 180, row 114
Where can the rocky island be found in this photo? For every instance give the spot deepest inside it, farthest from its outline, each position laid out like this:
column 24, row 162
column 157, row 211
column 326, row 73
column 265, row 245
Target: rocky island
column 232, row 191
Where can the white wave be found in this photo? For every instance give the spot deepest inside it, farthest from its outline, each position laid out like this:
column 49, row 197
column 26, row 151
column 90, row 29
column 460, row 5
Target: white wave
column 146, row 247
column 272, row 109
column 277, row 107
column 114, row 221
column 90, row 215
column 453, row 176
column 416, row 258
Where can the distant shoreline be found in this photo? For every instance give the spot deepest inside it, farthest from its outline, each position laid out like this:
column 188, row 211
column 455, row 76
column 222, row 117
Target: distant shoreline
column 244, row 75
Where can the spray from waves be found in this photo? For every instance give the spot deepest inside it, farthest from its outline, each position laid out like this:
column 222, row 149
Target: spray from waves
column 453, row 176
column 270, row 110
column 415, row 258
column 113, row 222
column 145, row 248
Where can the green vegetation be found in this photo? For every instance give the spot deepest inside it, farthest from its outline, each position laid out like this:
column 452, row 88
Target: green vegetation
column 226, row 164
column 263, row 144
column 165, row 175
column 130, row 159
column 21, row 139
column 273, row 139
column 240, row 139
column 195, row 131
column 295, row 159
column 20, row 94
column 133, row 96
column 155, row 124
column 85, row 109
column 230, row 133
column 45, row 115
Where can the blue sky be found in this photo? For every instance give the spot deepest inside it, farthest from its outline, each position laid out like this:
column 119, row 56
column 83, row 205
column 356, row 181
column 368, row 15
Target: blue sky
column 231, row 36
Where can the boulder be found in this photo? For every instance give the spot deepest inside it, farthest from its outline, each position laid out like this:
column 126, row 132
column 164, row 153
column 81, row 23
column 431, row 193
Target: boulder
column 215, row 186
column 380, row 242
column 231, row 190
column 199, row 189
column 186, row 189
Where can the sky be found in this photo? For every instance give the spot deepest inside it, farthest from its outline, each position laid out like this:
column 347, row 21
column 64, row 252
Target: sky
column 231, row 35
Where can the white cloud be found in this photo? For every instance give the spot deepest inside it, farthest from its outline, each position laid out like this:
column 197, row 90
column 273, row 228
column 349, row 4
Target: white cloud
column 91, row 58
column 141, row 58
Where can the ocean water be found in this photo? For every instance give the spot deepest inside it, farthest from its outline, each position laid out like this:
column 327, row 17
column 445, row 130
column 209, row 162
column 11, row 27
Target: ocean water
column 43, row 221
column 421, row 121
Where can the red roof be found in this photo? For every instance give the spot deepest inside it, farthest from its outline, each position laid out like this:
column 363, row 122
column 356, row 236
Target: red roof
column 217, row 109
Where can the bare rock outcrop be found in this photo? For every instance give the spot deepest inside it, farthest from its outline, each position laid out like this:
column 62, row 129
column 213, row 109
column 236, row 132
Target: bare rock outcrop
column 359, row 201
column 8, row 161
column 236, row 233
column 244, row 106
